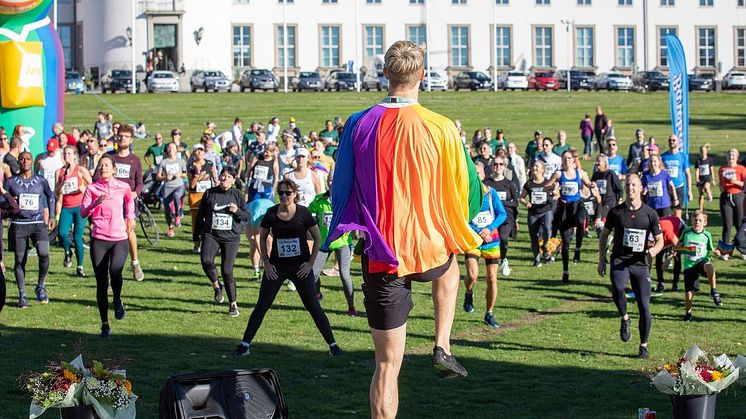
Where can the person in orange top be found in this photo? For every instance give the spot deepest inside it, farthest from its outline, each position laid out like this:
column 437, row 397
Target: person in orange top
column 731, row 195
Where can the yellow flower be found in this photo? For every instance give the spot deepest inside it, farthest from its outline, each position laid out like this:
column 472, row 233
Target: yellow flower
column 717, row 375
column 128, row 386
column 69, row 375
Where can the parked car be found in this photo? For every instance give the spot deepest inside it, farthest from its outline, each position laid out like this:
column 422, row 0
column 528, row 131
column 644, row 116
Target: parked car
column 579, row 79
column 341, row 80
column 512, row 80
column 163, row 81
column 612, row 81
column 702, row 81
column 437, row 82
column 209, row 80
column 118, row 80
column 734, row 80
column 307, row 80
column 74, row 82
column 650, row 81
column 472, row 80
column 375, row 80
column 260, row 79
column 542, row 80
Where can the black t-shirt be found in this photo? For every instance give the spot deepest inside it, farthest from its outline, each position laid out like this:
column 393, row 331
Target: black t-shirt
column 289, row 246
column 704, row 166
column 508, row 195
column 632, row 229
column 609, row 187
column 12, row 162
column 539, row 195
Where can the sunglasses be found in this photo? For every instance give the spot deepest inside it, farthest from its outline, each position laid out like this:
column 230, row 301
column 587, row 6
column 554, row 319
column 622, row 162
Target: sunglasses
column 286, row 193
column 498, row 164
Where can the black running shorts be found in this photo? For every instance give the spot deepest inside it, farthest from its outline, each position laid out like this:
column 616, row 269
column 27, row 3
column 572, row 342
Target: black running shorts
column 692, row 275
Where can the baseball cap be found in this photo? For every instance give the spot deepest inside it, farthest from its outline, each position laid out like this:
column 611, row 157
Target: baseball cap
column 198, row 146
column 292, row 119
column 499, row 130
column 301, row 152
column 175, row 131
column 52, row 144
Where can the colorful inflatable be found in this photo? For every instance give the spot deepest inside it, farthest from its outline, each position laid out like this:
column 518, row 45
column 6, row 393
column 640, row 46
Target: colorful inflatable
column 32, row 71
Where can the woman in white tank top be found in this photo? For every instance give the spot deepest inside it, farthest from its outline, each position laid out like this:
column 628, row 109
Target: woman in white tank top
column 306, row 180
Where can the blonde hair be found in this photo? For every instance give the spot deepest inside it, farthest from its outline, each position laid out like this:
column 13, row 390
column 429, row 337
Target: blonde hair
column 404, row 62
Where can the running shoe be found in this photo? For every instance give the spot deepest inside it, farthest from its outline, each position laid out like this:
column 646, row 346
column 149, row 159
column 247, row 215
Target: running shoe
column 352, row 312
column 489, row 320
column 565, row 278
column 170, row 232
column 643, row 354
column 725, row 257
column 505, row 268
column 105, row 331
column 447, row 364
column 660, row 287
column 588, row 234
column 624, row 330
column 41, row 295
column 68, row 261
column 79, row 272
column 241, row 350
column 576, row 257
column 334, row 350
column 291, row 286
column 196, row 250
column 675, row 286
column 537, row 263
column 178, row 221
column 23, row 301
column 119, row 311
column 469, row 302
column 219, row 295
column 233, row 312
column 330, row 272
column 717, row 300
column 257, row 274
column 137, row 272
column 688, row 316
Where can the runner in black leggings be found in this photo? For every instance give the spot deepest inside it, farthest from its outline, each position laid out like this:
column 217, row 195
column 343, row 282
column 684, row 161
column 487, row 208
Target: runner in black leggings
column 7, row 206
column 290, row 225
column 537, row 197
column 732, row 177
column 632, row 223
column 220, row 215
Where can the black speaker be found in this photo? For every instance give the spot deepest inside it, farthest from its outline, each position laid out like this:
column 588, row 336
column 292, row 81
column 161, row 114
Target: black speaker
column 232, row 394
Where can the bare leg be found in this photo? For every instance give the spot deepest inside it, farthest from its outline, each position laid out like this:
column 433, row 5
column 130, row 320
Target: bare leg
column 490, row 295
column 688, row 298
column 132, row 238
column 384, row 386
column 472, row 273
column 711, row 277
column 445, row 290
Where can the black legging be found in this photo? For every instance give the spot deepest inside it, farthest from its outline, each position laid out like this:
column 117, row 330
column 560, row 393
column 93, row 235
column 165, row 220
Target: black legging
column 3, row 291
column 20, row 249
column 505, row 230
column 638, row 276
column 539, row 223
column 659, row 268
column 228, row 253
column 731, row 210
column 600, row 140
column 108, row 259
column 571, row 216
column 307, row 292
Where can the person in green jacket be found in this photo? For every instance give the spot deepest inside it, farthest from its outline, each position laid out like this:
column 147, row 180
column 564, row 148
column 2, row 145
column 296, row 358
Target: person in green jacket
column 698, row 260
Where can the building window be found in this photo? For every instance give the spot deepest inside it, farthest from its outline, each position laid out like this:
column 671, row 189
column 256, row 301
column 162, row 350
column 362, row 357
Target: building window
column 741, row 3
column 707, row 3
column 330, row 46
column 286, row 1
column 459, row 46
column 291, row 46
column 740, row 47
column 328, row 1
column 543, row 44
column 373, row 1
column 543, row 2
column 502, row 1
column 416, row 1
column 625, row 47
column 584, row 2
column 624, row 2
column 668, row 2
column 242, row 46
column 240, row 1
column 373, row 41
column 502, row 46
column 706, row 47
column 662, row 47
column 583, row 47
column 66, row 36
column 417, row 34
column 458, row 1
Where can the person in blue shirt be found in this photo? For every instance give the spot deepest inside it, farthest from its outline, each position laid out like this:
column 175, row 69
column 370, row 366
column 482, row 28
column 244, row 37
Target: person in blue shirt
column 616, row 162
column 487, row 222
column 658, row 188
column 676, row 163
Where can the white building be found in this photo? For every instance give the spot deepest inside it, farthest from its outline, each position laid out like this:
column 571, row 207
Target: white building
column 231, row 35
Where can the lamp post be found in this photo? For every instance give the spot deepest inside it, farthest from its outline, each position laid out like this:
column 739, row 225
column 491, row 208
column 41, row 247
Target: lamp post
column 568, row 24
column 494, row 47
column 427, row 48
column 284, row 49
column 131, row 38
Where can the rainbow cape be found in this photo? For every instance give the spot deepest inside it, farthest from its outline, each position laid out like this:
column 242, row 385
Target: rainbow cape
column 403, row 177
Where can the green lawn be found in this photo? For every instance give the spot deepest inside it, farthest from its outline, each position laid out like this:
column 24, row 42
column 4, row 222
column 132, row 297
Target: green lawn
column 557, row 355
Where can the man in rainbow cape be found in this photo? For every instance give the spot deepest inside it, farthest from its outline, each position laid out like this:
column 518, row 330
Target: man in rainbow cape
column 404, row 180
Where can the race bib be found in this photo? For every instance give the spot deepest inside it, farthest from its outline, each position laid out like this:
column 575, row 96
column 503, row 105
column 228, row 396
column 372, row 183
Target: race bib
column 601, row 184
column 304, row 199
column 699, row 252
column 122, row 171
column 729, row 173
column 173, row 169
column 288, row 248
column 158, row 159
column 538, row 197
column 51, row 180
column 70, row 186
column 673, row 168
column 704, row 170
column 502, row 195
column 655, row 189
column 28, row 202
column 483, row 219
column 222, row 222
column 202, row 186
column 590, row 209
column 261, row 173
column 569, row 188
column 634, row 238
column 326, row 219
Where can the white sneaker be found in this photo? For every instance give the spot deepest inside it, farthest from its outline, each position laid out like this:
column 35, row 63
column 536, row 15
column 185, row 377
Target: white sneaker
column 291, row 286
column 743, row 257
column 505, row 268
column 725, row 257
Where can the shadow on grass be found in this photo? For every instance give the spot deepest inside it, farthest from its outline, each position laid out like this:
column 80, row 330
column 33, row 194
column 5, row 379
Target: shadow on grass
column 318, row 386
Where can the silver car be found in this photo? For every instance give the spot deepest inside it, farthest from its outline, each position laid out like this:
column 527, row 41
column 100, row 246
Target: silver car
column 307, row 80
column 375, row 80
column 163, row 81
column 612, row 81
column 258, row 79
column 437, row 82
column 209, row 80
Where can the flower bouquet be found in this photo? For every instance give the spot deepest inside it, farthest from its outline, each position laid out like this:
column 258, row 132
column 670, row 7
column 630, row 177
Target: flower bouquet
column 694, row 381
column 71, row 384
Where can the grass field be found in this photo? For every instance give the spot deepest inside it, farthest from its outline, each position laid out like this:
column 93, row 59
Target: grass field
column 558, row 353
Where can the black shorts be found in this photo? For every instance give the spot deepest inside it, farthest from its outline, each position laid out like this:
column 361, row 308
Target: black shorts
column 36, row 232
column 388, row 298
column 692, row 275
column 703, row 180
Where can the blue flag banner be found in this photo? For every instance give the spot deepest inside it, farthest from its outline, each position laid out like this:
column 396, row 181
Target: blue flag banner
column 678, row 91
